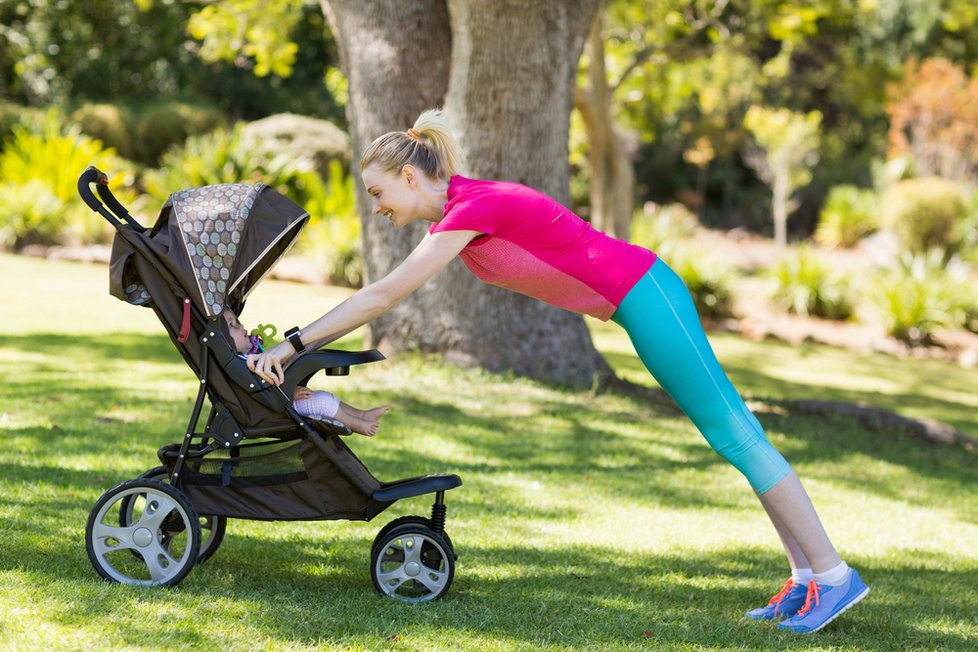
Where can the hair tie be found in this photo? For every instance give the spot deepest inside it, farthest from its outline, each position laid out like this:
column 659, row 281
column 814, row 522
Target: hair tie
column 414, row 134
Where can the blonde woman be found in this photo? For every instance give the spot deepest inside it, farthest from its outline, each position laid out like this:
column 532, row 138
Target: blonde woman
column 513, row 236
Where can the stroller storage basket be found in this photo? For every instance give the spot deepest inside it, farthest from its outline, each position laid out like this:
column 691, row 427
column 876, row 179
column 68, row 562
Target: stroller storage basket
column 270, row 481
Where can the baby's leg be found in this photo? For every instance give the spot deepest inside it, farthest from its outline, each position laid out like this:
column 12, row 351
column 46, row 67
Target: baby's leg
column 365, row 422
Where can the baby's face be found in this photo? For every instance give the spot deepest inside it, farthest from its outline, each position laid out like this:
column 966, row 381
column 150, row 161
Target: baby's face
column 238, row 333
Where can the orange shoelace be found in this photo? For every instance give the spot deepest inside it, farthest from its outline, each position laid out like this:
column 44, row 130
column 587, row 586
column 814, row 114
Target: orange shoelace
column 810, row 599
column 776, row 600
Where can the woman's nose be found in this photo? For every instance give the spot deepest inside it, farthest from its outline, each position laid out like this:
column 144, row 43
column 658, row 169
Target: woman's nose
column 375, row 208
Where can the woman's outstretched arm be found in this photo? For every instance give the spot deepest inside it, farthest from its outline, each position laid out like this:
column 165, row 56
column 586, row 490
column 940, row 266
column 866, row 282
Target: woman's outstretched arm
column 431, row 255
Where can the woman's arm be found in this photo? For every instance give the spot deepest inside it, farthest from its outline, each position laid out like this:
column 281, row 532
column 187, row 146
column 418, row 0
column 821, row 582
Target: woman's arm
column 431, row 255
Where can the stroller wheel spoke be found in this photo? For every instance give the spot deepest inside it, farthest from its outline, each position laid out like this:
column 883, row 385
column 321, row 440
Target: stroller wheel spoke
column 158, row 507
column 433, row 579
column 412, row 549
column 393, row 579
column 108, row 537
column 159, row 562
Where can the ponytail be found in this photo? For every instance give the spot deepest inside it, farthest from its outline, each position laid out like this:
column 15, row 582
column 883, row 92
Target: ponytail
column 429, row 146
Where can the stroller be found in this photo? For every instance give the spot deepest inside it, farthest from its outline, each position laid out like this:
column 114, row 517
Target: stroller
column 255, row 457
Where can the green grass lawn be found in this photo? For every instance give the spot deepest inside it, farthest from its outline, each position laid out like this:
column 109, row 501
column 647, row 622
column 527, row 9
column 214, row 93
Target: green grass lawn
column 585, row 522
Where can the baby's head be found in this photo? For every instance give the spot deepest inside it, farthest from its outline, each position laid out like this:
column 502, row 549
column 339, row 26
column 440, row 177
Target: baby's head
column 243, row 342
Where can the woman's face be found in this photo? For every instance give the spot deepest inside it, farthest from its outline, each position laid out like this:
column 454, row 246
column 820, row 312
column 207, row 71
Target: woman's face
column 392, row 196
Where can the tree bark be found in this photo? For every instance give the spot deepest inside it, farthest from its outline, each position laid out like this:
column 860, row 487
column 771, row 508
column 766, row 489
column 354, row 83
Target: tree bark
column 612, row 177
column 508, row 95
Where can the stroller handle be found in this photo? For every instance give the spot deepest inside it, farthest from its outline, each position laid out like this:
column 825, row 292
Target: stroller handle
column 115, row 212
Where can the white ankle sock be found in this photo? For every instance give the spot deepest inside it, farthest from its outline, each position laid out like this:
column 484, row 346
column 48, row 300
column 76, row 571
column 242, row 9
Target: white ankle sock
column 833, row 576
column 801, row 575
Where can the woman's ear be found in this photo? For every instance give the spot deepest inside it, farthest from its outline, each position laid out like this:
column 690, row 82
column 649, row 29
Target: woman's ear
column 410, row 174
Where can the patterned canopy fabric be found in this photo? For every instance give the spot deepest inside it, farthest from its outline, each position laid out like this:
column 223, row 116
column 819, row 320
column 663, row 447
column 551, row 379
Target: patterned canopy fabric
column 219, row 241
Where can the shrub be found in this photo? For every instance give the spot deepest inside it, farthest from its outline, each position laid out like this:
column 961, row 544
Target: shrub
column 333, row 233
column 708, row 282
column 807, row 286
column 661, row 228
column 45, row 163
column 849, row 214
column 914, row 299
column 29, row 214
column 925, row 213
column 317, row 140
column 223, row 156
column 169, row 123
column 107, row 123
column 14, row 115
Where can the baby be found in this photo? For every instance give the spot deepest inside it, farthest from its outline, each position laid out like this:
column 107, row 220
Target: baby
column 315, row 404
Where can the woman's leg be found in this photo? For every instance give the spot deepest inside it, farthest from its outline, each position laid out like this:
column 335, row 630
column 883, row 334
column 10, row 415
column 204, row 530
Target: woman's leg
column 659, row 316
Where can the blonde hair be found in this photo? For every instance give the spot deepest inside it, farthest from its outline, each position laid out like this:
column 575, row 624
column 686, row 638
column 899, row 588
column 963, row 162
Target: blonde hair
column 429, row 146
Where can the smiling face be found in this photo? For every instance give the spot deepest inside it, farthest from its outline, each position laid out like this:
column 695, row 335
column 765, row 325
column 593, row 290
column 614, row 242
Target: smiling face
column 392, row 195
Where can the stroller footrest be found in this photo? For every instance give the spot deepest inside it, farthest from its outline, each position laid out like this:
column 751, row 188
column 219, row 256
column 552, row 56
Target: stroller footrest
column 428, row 484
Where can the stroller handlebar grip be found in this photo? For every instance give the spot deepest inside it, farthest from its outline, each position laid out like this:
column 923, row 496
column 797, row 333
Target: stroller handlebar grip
column 115, row 213
column 91, row 175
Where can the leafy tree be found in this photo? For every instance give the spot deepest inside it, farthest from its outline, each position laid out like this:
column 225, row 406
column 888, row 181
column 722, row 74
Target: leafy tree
column 934, row 119
column 786, row 150
column 505, row 72
column 64, row 53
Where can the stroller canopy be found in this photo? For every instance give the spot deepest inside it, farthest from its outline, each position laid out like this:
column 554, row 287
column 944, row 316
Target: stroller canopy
column 221, row 240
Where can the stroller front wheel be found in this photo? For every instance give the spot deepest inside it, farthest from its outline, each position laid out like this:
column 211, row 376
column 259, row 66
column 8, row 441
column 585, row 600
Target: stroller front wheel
column 412, row 563
column 163, row 532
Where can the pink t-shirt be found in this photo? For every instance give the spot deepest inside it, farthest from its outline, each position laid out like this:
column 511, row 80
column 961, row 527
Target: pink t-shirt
column 537, row 247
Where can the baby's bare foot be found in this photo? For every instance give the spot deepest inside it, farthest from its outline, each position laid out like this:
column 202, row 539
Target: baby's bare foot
column 369, row 423
column 376, row 413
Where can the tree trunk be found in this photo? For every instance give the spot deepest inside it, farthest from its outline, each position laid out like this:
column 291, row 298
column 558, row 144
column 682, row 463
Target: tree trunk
column 513, row 65
column 779, row 206
column 612, row 177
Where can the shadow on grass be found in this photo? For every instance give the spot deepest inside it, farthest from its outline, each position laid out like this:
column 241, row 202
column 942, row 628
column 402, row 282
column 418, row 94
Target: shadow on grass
column 310, row 590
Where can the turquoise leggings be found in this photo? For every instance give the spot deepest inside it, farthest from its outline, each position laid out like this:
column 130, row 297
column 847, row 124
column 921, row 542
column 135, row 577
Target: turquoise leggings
column 659, row 317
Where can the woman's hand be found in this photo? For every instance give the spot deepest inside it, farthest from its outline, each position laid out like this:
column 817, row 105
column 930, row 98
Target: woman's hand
column 269, row 365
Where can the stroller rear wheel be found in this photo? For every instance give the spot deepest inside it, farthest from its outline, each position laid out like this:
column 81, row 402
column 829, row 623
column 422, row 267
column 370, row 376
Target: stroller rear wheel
column 211, row 527
column 163, row 531
column 412, row 563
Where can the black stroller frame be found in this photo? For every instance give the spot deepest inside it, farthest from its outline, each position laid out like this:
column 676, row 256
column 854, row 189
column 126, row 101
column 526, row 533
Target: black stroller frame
column 256, row 457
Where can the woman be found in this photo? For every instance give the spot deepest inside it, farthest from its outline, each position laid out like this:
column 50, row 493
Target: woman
column 516, row 237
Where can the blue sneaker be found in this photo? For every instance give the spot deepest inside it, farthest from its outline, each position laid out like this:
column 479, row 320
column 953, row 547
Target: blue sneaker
column 786, row 603
column 826, row 603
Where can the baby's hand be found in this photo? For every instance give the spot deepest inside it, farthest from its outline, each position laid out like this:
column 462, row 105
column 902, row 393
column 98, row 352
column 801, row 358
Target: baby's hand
column 301, row 393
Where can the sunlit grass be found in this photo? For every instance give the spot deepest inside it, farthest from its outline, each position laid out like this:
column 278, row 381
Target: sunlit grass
column 584, row 521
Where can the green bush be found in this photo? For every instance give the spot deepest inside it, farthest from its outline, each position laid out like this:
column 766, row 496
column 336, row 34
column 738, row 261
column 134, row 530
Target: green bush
column 968, row 248
column 165, row 124
column 333, row 233
column 661, row 228
column 807, row 286
column 707, row 280
column 29, row 214
column 14, row 115
column 915, row 298
column 108, row 123
column 45, row 163
column 849, row 214
column 925, row 213
column 223, row 156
